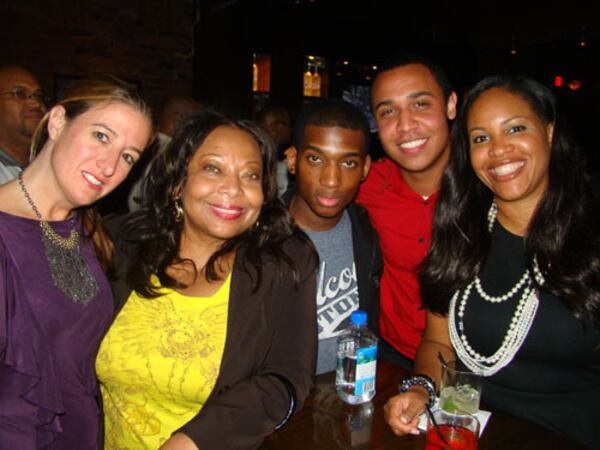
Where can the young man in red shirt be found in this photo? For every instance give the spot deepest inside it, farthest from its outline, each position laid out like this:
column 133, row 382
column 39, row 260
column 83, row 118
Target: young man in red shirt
column 413, row 102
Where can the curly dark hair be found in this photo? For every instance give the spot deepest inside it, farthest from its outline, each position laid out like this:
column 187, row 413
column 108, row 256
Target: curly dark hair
column 562, row 234
column 156, row 235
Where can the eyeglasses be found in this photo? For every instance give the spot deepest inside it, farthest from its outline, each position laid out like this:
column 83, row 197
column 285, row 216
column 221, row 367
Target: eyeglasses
column 24, row 94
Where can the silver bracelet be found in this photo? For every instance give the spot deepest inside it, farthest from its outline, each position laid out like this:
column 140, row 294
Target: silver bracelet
column 420, row 380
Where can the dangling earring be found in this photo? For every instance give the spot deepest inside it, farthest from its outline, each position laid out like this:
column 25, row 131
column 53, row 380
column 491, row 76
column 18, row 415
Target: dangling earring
column 178, row 210
column 492, row 213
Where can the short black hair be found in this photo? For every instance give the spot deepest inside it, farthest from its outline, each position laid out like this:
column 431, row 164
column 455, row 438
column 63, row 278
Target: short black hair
column 405, row 59
column 331, row 113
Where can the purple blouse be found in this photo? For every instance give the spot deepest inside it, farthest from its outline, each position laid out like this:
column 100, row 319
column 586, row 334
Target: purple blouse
column 48, row 345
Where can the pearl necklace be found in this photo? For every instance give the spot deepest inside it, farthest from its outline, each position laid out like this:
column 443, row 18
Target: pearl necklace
column 518, row 329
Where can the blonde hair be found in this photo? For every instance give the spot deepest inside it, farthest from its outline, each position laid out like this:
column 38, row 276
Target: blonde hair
column 82, row 96
column 86, row 94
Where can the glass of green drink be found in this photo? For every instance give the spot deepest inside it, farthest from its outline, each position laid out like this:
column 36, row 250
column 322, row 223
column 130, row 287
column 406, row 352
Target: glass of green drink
column 460, row 391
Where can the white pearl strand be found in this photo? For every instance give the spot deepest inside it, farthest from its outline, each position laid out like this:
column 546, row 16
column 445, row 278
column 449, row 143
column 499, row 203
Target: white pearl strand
column 518, row 329
column 484, row 295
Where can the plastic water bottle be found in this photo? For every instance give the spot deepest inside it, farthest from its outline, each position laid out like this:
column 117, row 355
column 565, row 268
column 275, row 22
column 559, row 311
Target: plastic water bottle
column 356, row 361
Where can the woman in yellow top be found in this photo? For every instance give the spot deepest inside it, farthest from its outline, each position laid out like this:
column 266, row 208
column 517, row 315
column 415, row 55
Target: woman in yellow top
column 215, row 345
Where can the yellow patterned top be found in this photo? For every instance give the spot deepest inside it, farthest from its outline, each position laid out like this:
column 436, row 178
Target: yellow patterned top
column 158, row 364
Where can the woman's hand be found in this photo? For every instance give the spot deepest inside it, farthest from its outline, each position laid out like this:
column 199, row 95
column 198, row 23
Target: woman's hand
column 402, row 411
column 179, row 441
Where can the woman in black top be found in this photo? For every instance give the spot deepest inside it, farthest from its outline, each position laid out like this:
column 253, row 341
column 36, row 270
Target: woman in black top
column 512, row 278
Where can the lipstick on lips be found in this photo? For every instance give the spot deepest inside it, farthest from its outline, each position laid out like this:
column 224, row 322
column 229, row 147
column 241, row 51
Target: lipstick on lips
column 507, row 170
column 92, row 181
column 227, row 212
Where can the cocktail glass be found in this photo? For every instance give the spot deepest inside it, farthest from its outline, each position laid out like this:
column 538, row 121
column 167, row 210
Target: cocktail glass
column 452, row 431
column 460, row 390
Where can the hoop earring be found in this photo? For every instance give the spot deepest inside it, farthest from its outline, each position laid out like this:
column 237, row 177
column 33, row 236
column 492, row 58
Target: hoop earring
column 178, row 210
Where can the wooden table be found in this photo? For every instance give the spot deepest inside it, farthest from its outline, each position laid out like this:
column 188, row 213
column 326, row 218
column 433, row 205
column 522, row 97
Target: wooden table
column 327, row 423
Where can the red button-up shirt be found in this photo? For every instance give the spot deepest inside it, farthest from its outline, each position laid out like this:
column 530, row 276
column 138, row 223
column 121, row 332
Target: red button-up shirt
column 403, row 221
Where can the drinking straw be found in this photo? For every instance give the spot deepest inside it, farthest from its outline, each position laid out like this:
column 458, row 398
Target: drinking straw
column 442, row 360
column 436, row 426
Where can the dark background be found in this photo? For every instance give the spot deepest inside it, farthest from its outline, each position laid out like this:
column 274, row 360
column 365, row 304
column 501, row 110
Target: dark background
column 471, row 38
column 205, row 47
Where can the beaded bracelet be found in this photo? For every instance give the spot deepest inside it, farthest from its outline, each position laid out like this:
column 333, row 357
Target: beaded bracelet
column 420, row 380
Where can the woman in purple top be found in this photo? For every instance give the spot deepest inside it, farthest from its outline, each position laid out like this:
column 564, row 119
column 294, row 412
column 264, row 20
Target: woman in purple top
column 55, row 302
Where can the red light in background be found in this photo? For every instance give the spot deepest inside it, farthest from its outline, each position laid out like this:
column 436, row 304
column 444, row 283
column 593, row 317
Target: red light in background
column 558, row 81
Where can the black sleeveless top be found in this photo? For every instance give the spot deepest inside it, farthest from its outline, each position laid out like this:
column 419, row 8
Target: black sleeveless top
column 554, row 379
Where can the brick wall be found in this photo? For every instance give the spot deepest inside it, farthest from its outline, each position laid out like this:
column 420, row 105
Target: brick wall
column 147, row 41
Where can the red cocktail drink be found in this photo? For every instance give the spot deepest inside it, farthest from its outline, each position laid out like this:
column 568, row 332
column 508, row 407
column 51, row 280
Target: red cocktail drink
column 457, row 438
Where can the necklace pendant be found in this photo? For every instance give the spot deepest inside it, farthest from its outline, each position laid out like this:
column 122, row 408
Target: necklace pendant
column 69, row 271
column 68, row 268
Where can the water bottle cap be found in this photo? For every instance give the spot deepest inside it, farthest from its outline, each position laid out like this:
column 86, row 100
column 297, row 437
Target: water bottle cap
column 358, row 318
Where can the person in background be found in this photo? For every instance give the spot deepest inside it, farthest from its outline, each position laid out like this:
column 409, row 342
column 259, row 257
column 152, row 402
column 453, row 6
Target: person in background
column 329, row 159
column 512, row 280
column 55, row 302
column 214, row 343
column 275, row 120
column 412, row 101
column 22, row 106
column 175, row 111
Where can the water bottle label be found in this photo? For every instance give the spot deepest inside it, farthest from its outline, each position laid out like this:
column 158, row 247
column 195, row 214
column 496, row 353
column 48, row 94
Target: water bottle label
column 366, row 365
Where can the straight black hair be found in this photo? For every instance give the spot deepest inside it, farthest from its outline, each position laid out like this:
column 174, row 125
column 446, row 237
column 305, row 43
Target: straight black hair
column 562, row 234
